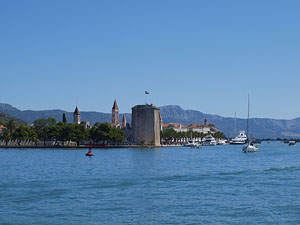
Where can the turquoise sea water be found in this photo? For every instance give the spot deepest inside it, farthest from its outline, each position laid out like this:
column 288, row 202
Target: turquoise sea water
column 211, row 185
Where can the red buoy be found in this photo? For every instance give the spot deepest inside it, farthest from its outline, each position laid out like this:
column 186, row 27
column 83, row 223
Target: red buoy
column 90, row 150
column 89, row 154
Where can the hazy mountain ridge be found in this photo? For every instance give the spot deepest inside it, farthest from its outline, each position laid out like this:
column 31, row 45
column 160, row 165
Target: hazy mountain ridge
column 259, row 127
column 5, row 118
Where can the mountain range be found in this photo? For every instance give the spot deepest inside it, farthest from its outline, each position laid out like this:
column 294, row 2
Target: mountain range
column 259, row 127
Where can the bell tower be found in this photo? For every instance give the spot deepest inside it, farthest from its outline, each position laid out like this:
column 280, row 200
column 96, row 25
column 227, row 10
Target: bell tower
column 115, row 113
column 76, row 116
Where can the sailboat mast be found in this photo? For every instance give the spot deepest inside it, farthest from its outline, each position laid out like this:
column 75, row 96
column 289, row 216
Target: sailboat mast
column 235, row 124
column 248, row 117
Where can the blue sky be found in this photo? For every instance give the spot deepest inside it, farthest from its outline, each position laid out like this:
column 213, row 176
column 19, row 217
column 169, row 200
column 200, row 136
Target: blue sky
column 202, row 55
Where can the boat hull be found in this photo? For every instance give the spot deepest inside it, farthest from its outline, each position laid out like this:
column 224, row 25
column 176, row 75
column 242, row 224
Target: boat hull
column 237, row 143
column 249, row 149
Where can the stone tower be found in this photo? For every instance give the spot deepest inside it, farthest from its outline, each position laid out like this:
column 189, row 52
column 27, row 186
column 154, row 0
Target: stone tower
column 115, row 113
column 124, row 122
column 76, row 116
column 146, row 125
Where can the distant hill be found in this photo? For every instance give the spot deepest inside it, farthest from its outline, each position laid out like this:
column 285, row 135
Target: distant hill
column 4, row 118
column 259, row 128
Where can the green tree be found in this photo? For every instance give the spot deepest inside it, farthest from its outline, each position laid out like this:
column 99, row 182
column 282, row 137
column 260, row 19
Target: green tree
column 11, row 126
column 42, row 126
column 21, row 134
column 65, row 131
column 79, row 133
column 104, row 132
column 6, row 136
column 54, row 132
column 116, row 135
column 169, row 135
column 64, row 119
column 25, row 133
column 97, row 134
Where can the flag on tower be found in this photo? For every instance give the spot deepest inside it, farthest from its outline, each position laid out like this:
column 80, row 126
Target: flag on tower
column 147, row 93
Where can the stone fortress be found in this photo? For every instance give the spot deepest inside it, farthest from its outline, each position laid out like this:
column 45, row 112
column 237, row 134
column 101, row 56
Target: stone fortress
column 146, row 125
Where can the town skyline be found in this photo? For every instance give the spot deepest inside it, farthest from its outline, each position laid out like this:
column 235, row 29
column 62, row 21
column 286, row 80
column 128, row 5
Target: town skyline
column 205, row 56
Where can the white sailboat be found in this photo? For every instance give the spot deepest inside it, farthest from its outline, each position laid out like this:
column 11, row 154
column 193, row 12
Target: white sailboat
column 250, row 146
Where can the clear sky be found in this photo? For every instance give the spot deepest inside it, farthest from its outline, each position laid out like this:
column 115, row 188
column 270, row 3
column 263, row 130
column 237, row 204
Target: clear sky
column 202, row 55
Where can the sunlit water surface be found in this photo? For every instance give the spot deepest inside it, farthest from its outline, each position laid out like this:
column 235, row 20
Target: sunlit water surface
column 211, row 185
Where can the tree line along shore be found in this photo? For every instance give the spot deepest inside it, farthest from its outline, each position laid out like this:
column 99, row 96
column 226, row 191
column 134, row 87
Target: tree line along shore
column 60, row 134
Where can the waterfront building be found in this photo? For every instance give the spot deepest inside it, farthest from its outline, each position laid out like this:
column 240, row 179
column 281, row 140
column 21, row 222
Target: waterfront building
column 76, row 116
column 146, row 125
column 178, row 127
column 209, row 128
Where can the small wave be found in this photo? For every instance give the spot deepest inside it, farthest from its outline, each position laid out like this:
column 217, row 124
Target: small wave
column 122, row 184
column 279, row 168
column 168, row 178
column 233, row 173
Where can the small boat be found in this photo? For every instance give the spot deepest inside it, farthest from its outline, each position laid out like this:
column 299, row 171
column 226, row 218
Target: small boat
column 196, row 145
column 250, row 146
column 189, row 143
column 209, row 140
column 292, row 143
column 223, row 142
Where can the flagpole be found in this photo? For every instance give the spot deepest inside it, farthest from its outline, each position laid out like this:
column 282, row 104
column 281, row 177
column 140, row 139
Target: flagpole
column 146, row 93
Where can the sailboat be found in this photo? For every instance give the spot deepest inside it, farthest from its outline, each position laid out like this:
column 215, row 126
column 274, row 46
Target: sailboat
column 250, row 146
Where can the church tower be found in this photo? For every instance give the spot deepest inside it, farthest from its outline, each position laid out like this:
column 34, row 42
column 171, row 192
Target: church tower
column 115, row 114
column 76, row 116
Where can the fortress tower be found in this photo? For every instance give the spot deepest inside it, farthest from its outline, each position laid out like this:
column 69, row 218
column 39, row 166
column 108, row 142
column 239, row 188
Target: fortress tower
column 115, row 114
column 146, row 125
column 76, row 116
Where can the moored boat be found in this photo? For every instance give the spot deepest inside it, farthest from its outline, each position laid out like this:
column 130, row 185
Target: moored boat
column 240, row 139
column 209, row 140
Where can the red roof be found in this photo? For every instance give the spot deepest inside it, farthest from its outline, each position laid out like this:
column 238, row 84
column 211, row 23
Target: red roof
column 115, row 106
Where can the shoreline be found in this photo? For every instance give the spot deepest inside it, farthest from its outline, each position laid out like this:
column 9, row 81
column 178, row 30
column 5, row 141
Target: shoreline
column 83, row 147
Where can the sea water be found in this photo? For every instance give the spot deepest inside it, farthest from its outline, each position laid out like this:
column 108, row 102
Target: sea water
column 177, row 185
